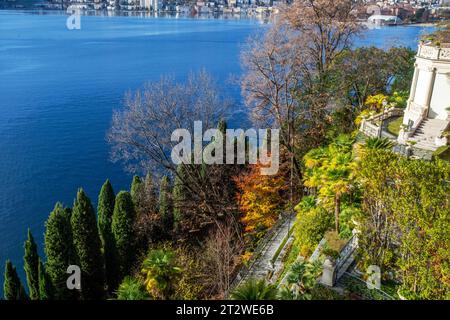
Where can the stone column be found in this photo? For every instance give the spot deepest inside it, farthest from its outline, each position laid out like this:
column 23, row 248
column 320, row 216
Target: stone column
column 414, row 84
column 328, row 273
column 430, row 89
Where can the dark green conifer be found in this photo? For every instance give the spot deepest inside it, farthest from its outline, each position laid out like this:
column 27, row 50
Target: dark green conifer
column 31, row 264
column 179, row 194
column 123, row 231
column 165, row 205
column 46, row 289
column 59, row 250
column 136, row 189
column 105, row 212
column 87, row 245
column 12, row 287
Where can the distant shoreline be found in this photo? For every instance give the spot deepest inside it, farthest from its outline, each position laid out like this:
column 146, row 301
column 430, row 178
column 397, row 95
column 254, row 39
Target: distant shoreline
column 423, row 24
column 145, row 13
column 162, row 14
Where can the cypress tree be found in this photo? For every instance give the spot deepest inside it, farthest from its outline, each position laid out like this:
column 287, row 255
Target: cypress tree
column 147, row 201
column 145, row 210
column 135, row 190
column 179, row 194
column 87, row 245
column 105, row 211
column 59, row 250
column 149, row 189
column 165, row 205
column 31, row 264
column 12, row 287
column 123, row 231
column 222, row 126
column 46, row 289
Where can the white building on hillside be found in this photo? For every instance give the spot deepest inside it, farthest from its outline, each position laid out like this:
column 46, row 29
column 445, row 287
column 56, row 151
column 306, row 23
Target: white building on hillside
column 426, row 118
column 427, row 114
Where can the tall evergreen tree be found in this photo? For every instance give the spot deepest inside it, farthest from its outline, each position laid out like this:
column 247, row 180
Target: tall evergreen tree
column 59, row 250
column 179, row 195
column 165, row 204
column 136, row 189
column 222, row 126
column 147, row 200
column 87, row 244
column 31, row 263
column 147, row 228
column 123, row 231
column 46, row 289
column 105, row 212
column 12, row 287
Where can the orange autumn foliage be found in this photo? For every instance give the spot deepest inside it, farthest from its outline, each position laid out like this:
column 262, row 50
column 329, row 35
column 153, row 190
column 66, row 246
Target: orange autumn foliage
column 260, row 199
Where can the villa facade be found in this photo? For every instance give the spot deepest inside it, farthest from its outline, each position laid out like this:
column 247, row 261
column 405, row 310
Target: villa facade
column 427, row 116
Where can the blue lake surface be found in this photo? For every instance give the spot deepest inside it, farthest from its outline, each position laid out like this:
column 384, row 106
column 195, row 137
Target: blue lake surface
column 58, row 89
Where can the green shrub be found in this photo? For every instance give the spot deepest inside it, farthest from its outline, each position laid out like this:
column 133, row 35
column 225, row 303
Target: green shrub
column 131, row 289
column 320, row 292
column 346, row 222
column 443, row 153
column 333, row 244
column 311, row 224
column 255, row 289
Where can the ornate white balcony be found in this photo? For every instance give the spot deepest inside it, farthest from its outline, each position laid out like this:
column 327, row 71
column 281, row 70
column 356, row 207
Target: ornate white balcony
column 429, row 51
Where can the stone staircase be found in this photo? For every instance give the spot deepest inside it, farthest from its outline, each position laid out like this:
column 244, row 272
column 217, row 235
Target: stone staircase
column 346, row 265
column 427, row 132
column 262, row 266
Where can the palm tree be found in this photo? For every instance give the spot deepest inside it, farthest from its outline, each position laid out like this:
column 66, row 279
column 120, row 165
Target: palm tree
column 131, row 289
column 255, row 289
column 329, row 170
column 373, row 143
column 378, row 144
column 301, row 280
column 160, row 272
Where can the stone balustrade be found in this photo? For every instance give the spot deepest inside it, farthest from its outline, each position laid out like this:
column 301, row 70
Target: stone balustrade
column 428, row 51
column 372, row 125
column 334, row 269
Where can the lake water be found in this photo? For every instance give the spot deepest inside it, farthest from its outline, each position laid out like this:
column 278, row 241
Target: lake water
column 58, row 89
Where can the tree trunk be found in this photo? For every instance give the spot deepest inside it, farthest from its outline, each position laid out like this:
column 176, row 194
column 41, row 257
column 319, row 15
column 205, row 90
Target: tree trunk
column 337, row 211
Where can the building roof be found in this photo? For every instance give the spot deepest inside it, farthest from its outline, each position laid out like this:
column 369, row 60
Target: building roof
column 384, row 18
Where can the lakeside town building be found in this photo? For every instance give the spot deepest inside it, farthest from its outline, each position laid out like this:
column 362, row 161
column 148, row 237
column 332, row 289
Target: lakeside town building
column 377, row 12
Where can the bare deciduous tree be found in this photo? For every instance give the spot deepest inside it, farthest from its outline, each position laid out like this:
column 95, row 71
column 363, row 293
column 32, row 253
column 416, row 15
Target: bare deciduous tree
column 141, row 133
column 273, row 71
column 326, row 27
column 285, row 70
column 141, row 137
column 222, row 251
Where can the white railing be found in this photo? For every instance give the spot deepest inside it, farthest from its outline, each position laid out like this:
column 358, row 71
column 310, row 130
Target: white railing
column 372, row 125
column 318, row 250
column 422, row 113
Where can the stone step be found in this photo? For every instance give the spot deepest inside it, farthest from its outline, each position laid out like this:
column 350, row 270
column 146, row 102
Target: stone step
column 427, row 132
column 426, row 146
column 423, row 136
column 434, row 123
column 430, row 128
